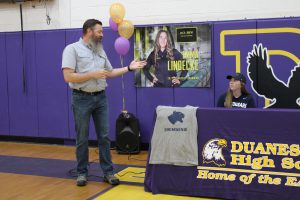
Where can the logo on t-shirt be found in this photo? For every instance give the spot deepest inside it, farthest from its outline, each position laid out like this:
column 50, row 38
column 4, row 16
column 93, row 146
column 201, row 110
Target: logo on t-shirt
column 176, row 117
column 239, row 105
column 173, row 118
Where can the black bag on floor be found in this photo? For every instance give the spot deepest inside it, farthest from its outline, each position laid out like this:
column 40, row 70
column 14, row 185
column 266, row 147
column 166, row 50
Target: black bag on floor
column 127, row 134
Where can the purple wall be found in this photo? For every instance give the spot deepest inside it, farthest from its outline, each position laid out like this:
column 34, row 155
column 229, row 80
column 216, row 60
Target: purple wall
column 4, row 117
column 52, row 93
column 243, row 43
column 45, row 111
column 290, row 42
column 23, row 114
column 225, row 65
column 147, row 100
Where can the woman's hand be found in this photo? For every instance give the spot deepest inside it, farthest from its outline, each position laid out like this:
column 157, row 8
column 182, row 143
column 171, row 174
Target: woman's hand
column 154, row 81
column 175, row 81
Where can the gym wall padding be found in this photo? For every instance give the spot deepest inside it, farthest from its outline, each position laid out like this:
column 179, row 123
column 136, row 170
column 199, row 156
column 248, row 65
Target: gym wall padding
column 4, row 122
column 45, row 110
column 23, row 108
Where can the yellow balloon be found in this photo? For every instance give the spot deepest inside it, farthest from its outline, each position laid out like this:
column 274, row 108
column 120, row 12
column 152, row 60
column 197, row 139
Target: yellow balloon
column 117, row 12
column 126, row 29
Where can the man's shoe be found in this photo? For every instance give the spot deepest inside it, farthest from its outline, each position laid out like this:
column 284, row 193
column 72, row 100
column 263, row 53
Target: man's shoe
column 111, row 179
column 81, row 180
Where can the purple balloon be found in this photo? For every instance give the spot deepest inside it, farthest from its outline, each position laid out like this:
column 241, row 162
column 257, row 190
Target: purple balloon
column 113, row 25
column 122, row 46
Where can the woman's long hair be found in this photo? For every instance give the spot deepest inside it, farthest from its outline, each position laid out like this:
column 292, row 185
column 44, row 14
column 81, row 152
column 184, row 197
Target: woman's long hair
column 229, row 95
column 169, row 47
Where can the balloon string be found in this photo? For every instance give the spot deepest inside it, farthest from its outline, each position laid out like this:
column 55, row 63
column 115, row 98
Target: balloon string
column 123, row 87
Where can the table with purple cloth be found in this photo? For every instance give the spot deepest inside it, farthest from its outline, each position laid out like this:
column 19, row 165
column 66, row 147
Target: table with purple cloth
column 242, row 153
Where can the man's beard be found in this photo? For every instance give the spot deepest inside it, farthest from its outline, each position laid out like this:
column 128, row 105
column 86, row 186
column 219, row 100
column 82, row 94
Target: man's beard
column 95, row 44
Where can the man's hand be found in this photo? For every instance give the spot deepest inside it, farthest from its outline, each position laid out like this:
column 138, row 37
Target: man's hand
column 100, row 74
column 137, row 64
column 119, row 71
column 71, row 76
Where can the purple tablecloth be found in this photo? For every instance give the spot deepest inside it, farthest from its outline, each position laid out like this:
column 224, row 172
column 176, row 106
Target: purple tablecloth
column 275, row 137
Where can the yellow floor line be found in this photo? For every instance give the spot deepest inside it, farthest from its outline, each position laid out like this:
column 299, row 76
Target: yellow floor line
column 132, row 174
column 137, row 193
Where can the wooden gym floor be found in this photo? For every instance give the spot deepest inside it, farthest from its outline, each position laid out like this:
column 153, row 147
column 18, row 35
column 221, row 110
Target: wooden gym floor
column 49, row 178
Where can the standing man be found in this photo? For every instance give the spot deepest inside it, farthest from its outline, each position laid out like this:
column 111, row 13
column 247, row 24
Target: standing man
column 86, row 67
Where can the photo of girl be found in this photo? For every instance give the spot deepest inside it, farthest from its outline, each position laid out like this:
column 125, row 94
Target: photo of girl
column 177, row 56
column 159, row 57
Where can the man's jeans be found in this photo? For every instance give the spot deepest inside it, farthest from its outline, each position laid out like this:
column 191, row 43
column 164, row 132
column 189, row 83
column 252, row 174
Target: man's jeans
column 84, row 106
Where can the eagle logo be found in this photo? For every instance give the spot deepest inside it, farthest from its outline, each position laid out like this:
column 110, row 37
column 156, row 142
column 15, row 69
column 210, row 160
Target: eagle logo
column 212, row 152
column 265, row 83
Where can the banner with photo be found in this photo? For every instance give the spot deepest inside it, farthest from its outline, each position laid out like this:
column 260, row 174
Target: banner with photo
column 177, row 56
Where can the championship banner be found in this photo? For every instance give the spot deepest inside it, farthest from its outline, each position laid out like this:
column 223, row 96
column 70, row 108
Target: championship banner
column 177, row 56
column 242, row 154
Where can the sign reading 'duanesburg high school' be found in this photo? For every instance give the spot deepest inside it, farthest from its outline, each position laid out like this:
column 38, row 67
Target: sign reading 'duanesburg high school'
column 257, row 159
